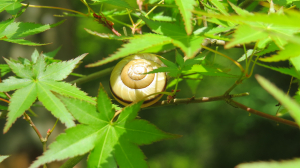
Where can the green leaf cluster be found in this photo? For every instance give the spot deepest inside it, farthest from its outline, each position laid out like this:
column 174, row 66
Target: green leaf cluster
column 14, row 32
column 35, row 80
column 110, row 141
column 11, row 6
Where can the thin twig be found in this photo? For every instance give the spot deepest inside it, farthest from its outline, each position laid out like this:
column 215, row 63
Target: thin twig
column 194, row 100
column 152, row 9
column 53, row 7
column 28, row 119
column 237, row 82
column 268, row 116
column 93, row 76
column 7, row 101
column 223, row 97
column 50, row 131
column 235, row 62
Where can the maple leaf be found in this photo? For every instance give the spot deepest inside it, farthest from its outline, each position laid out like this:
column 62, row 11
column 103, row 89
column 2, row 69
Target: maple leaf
column 14, row 32
column 109, row 142
column 39, row 80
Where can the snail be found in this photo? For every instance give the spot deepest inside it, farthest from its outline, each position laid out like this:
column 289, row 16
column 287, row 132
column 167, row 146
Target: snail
column 129, row 84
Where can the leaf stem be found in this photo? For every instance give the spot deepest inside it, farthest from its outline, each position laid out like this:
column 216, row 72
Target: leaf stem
column 28, row 119
column 89, row 9
column 132, row 22
column 136, row 25
column 120, row 22
column 176, row 85
column 238, row 81
column 246, row 60
column 235, row 62
column 7, row 101
column 250, row 60
column 53, row 7
column 50, row 131
column 43, row 140
column 252, row 69
column 93, row 76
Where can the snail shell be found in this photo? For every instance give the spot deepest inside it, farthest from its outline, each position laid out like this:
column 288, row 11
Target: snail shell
column 129, row 84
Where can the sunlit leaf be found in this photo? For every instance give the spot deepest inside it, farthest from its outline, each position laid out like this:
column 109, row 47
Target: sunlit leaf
column 39, row 80
column 109, row 143
column 189, row 44
column 287, row 71
column 185, row 8
column 4, row 69
column 14, row 31
column 21, row 100
column 134, row 46
column 291, row 50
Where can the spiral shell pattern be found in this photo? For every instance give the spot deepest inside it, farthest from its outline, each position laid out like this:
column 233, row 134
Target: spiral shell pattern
column 129, row 83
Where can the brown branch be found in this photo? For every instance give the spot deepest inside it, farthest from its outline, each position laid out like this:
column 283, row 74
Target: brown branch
column 195, row 100
column 268, row 116
column 229, row 100
column 4, row 100
column 102, row 20
column 223, row 43
column 28, row 119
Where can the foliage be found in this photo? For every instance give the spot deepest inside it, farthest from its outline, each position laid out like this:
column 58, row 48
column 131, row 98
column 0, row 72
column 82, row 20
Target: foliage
column 109, row 141
column 37, row 81
column 191, row 30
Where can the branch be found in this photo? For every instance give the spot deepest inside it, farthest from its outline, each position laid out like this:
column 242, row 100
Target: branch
column 223, row 43
column 102, row 20
column 268, row 116
column 195, row 100
column 229, row 100
column 28, row 119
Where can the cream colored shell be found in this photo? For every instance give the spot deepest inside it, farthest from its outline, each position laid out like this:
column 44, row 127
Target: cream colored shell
column 129, row 84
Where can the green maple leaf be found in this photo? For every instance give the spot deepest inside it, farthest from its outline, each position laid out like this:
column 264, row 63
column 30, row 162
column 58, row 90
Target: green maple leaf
column 4, row 69
column 284, row 70
column 291, row 50
column 14, row 32
column 11, row 6
column 189, row 44
column 262, row 27
column 110, row 143
column 40, row 80
column 186, row 7
column 135, row 45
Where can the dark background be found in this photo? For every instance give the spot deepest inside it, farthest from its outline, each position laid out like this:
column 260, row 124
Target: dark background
column 214, row 134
